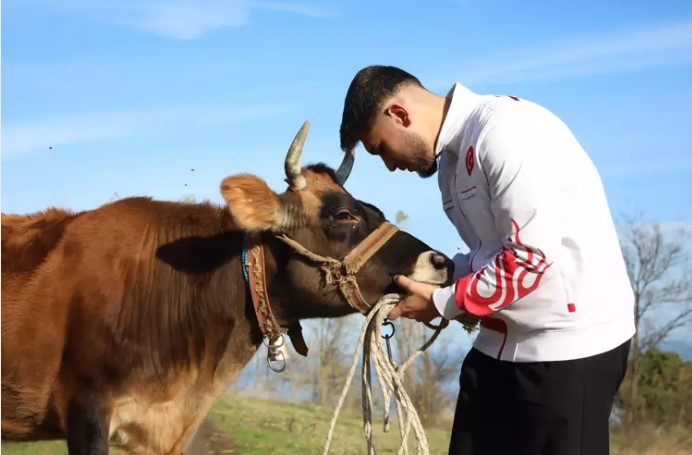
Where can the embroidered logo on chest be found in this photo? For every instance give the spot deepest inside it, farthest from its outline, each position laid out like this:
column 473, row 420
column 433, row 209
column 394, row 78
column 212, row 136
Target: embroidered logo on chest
column 469, row 160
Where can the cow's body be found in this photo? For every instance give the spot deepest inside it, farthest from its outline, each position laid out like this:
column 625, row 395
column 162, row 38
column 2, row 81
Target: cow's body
column 123, row 324
column 164, row 338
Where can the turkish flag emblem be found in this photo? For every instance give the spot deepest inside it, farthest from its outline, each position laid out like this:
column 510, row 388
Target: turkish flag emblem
column 469, row 160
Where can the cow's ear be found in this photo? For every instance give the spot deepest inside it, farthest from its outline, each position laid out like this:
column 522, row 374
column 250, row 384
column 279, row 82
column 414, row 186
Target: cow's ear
column 254, row 206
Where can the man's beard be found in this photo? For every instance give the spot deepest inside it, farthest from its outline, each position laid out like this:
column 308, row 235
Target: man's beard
column 424, row 164
column 430, row 171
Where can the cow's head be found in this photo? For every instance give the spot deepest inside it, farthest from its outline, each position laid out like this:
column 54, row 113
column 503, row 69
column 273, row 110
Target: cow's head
column 318, row 213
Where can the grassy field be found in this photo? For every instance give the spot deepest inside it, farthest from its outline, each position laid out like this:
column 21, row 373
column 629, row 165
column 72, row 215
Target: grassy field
column 263, row 427
column 651, row 440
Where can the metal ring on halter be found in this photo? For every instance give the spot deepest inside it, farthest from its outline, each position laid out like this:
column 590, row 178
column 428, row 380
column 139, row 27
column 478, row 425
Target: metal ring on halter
column 268, row 343
column 278, row 358
column 386, row 322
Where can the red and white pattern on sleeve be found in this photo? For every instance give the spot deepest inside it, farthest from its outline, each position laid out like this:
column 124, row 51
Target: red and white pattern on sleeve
column 516, row 271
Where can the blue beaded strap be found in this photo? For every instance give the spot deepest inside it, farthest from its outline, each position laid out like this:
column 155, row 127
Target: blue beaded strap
column 244, row 262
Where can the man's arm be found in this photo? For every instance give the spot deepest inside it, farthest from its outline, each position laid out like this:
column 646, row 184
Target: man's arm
column 443, row 297
column 524, row 211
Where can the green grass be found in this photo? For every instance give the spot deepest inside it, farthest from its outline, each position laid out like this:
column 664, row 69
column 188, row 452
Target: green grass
column 263, row 427
column 40, row 448
column 34, row 448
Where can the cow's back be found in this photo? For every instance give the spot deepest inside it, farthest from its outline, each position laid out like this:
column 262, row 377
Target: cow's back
column 28, row 239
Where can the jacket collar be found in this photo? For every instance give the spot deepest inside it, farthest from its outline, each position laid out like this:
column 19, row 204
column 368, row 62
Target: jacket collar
column 463, row 102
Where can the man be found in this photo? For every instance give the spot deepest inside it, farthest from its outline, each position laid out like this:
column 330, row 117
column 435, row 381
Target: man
column 544, row 272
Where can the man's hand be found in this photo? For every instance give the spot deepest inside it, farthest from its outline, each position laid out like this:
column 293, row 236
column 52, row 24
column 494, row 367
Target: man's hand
column 417, row 304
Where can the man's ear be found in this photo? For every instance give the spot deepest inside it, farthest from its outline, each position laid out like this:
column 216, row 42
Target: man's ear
column 254, row 206
column 399, row 114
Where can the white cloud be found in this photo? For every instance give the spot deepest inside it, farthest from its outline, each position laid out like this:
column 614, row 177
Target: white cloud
column 19, row 139
column 187, row 19
column 628, row 50
column 179, row 19
column 302, row 9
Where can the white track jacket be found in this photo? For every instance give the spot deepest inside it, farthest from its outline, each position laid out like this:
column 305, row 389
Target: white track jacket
column 545, row 270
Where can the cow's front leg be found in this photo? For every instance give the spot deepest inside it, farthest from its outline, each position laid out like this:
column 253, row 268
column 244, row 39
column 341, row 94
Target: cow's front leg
column 87, row 428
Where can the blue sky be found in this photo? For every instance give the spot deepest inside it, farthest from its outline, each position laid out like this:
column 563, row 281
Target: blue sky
column 131, row 95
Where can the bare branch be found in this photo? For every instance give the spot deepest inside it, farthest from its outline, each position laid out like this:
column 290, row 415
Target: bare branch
column 661, row 333
column 654, row 260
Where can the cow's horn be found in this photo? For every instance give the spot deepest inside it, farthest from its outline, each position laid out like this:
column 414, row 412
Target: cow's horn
column 292, row 164
column 345, row 169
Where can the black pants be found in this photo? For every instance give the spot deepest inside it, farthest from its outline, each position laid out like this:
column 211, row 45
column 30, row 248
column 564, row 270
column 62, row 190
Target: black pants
column 536, row 408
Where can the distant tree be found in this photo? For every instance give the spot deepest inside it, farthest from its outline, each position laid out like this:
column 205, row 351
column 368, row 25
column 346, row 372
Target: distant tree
column 425, row 379
column 658, row 268
column 333, row 365
column 320, row 377
column 665, row 389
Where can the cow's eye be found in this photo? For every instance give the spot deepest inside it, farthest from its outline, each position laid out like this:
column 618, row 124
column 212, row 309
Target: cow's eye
column 343, row 215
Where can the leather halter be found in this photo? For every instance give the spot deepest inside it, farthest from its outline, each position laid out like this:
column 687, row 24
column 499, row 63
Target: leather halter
column 343, row 273
column 254, row 271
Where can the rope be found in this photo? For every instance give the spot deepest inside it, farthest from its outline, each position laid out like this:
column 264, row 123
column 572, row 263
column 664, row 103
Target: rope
column 390, row 377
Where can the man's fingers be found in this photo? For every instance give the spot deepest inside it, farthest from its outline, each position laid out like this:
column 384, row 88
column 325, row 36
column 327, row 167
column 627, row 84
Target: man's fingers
column 396, row 312
column 406, row 283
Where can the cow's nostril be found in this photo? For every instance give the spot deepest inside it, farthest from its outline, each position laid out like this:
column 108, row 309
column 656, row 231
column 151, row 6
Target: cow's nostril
column 438, row 261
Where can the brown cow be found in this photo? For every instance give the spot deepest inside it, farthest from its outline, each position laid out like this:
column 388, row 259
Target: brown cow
column 122, row 325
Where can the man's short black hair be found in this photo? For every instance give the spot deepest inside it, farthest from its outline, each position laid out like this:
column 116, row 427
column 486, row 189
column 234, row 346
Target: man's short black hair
column 369, row 89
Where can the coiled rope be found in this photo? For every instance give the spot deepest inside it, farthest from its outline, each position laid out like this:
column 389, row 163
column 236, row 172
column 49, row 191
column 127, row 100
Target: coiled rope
column 390, row 378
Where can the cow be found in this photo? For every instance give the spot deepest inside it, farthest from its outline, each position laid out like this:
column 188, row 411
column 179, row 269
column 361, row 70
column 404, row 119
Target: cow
column 122, row 325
